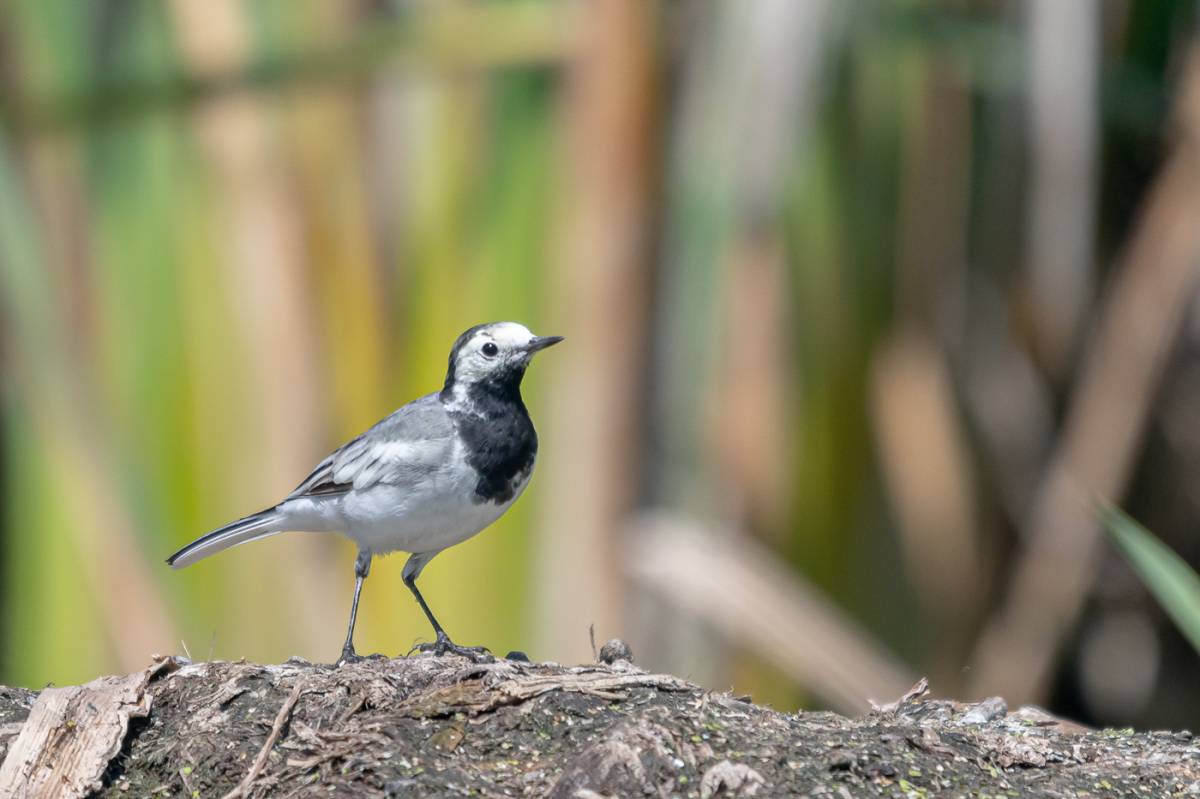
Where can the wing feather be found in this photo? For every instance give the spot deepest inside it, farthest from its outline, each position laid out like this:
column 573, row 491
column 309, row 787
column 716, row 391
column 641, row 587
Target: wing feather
column 414, row 440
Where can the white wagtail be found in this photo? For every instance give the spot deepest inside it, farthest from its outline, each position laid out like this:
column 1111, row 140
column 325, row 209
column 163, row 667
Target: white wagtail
column 427, row 477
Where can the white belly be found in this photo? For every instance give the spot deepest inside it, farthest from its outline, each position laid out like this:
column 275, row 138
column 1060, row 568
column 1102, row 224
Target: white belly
column 428, row 514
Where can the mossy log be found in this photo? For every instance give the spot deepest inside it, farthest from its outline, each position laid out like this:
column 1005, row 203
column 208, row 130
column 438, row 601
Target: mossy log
column 426, row 726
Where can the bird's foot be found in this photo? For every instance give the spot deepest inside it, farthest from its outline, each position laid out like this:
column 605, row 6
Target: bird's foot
column 350, row 656
column 443, row 644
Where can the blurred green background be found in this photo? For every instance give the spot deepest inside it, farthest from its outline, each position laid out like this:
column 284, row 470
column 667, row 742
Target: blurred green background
column 865, row 304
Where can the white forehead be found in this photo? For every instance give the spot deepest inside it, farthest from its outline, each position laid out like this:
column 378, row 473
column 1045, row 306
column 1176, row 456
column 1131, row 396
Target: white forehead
column 510, row 334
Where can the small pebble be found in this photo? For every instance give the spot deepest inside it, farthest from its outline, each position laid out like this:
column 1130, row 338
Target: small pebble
column 615, row 650
column 987, row 710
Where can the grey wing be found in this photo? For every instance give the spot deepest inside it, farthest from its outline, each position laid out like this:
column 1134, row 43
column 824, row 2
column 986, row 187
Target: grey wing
column 414, row 440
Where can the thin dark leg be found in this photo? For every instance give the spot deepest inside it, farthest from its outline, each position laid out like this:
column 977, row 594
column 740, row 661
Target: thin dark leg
column 411, row 582
column 362, row 567
column 443, row 644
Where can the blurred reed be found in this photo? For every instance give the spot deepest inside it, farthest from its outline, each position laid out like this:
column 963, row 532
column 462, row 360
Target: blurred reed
column 840, row 282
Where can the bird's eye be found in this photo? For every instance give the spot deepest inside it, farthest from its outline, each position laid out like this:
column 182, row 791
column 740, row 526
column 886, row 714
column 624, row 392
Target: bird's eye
column 490, row 350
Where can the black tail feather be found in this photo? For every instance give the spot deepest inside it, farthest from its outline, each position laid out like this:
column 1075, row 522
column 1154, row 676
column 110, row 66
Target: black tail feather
column 232, row 534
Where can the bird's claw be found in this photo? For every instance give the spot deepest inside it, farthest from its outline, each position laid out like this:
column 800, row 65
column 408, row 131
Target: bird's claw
column 350, row 656
column 443, row 644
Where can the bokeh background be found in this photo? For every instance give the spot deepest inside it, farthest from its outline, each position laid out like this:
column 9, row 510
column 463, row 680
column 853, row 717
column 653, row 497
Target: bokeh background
column 866, row 303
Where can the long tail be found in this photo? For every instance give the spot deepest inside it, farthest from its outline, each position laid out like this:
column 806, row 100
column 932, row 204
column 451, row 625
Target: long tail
column 251, row 528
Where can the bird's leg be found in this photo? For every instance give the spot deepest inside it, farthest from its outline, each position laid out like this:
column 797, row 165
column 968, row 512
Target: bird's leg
column 362, row 567
column 443, row 644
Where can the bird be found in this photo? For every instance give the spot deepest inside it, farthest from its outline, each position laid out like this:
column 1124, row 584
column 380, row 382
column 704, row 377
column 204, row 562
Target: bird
column 432, row 474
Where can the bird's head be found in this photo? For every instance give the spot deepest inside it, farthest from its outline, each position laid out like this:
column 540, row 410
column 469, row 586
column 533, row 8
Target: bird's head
column 492, row 356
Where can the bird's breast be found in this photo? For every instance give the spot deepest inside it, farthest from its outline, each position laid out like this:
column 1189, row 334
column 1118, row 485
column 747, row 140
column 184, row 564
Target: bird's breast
column 500, row 448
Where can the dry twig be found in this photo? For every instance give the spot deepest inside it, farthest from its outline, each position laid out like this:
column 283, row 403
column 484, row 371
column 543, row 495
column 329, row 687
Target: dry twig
column 259, row 762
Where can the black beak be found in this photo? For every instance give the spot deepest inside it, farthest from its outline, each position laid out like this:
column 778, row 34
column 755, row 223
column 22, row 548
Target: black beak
column 541, row 343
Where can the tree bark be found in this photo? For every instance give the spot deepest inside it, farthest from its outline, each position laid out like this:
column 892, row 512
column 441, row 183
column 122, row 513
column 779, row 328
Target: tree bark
column 426, row 726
